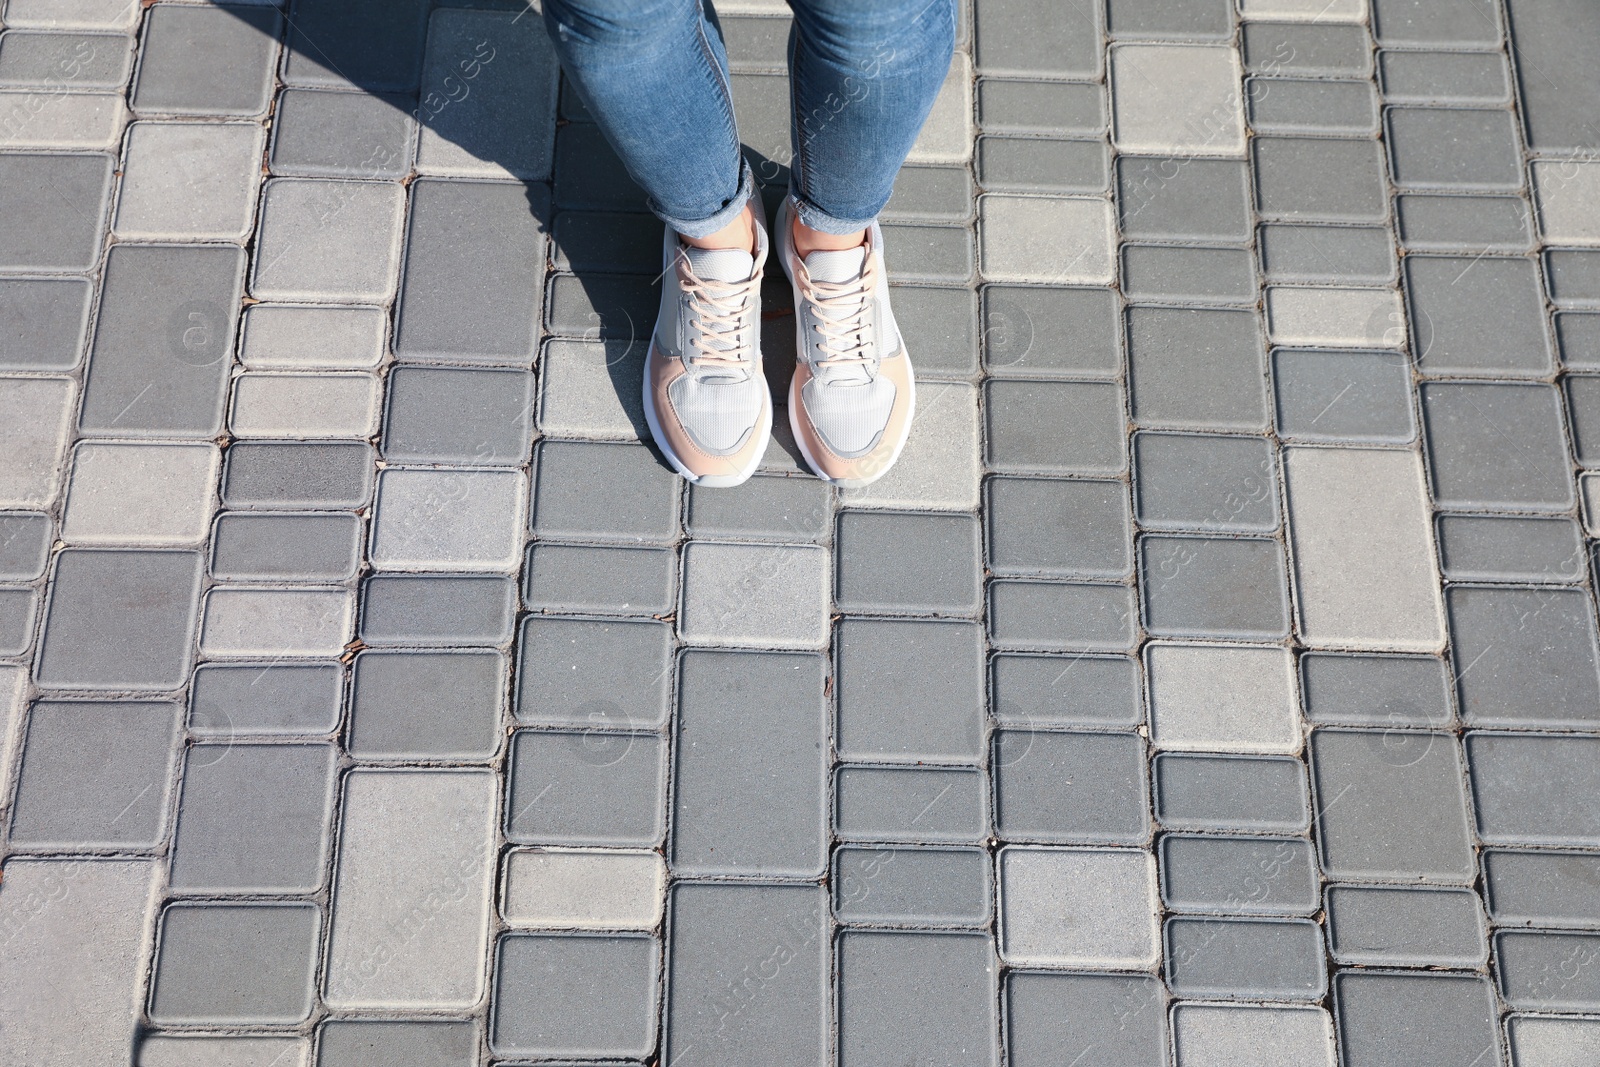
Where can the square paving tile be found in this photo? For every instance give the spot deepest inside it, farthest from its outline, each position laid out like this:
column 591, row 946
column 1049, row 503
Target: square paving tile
column 208, row 61
column 575, row 995
column 1197, row 369
column 1451, row 332
column 765, row 596
column 474, row 416
column 1222, row 698
column 1059, row 527
column 1055, row 427
column 1536, row 652
column 426, row 705
column 1206, row 482
column 1058, row 787
column 235, row 964
column 1535, row 789
column 940, row 329
column 1015, row 38
column 1177, row 99
column 1055, row 241
column 917, row 995
column 1214, row 587
column 341, row 44
column 907, row 564
column 323, row 240
column 1121, row 1019
column 189, row 181
column 25, row 539
column 119, row 620
column 1036, row 332
column 38, row 413
column 319, row 134
column 909, row 690
column 1386, row 1020
column 1078, row 908
column 586, row 788
column 448, row 520
column 95, row 775
column 593, row 672
column 604, row 492
column 47, row 319
column 1496, row 446
column 578, row 396
column 939, row 467
column 1183, row 198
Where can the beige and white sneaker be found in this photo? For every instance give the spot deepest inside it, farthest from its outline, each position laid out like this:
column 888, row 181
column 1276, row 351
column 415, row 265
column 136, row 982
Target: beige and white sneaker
column 705, row 397
column 853, row 393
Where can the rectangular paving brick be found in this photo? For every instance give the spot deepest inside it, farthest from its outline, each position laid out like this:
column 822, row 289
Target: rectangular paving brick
column 467, row 520
column 37, row 415
column 188, row 298
column 1168, row 21
column 578, row 392
column 252, row 547
column 1294, row 252
column 1359, row 318
column 1015, row 164
column 932, row 255
column 72, row 963
column 1055, row 427
column 1458, row 23
column 189, row 181
column 95, row 775
column 1121, row 1019
column 235, row 964
column 1213, row 587
column 761, row 710
column 885, row 561
column 1066, row 690
column 1043, row 616
column 208, row 61
column 368, row 44
column 1577, row 337
column 1078, row 907
column 634, row 496
column 71, row 14
column 924, row 887
column 1541, row 888
column 140, row 493
column 1496, row 446
column 1531, row 789
column 1567, row 194
column 1221, row 698
column 725, row 1002
column 81, row 121
column 1034, row 332
column 119, row 620
column 1161, row 274
column 1012, row 37
column 939, row 467
column 1245, row 959
column 16, row 621
column 1362, row 550
column 1572, row 276
column 916, row 995
column 765, row 509
column 1197, row 369
column 1389, row 690
column 1386, row 1020
column 277, row 474
column 1555, row 121
column 540, row 1011
column 1390, row 806
column 1044, row 108
column 762, row 596
column 588, row 174
column 1537, row 971
column 591, row 672
column 1203, row 792
column 478, row 417
column 426, row 705
column 460, row 231
column 231, row 700
column 1449, row 223
column 1444, row 77
column 319, row 134
column 620, row 581
column 253, row 818
column 1179, row 100
column 597, row 889
column 1453, row 148
column 1343, row 396
column 47, row 320
column 1059, row 787
column 1239, row 1034
column 1533, row 1037
column 1299, row 178
column 1206, row 482
column 940, row 328
column 1384, row 927
column 1058, row 527
column 358, row 1043
column 1239, row 875
column 1319, row 48
column 411, row 841
column 1290, row 105
column 1537, row 662
column 244, row 622
column 438, row 610
column 942, row 194
column 606, row 242
column 166, row 1050
column 923, row 805
column 305, row 405
column 586, row 788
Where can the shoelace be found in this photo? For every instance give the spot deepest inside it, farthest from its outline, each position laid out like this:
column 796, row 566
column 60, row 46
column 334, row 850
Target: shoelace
column 722, row 308
column 841, row 315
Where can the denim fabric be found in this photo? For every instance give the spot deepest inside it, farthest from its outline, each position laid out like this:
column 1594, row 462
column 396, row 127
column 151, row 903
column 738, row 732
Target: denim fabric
column 863, row 75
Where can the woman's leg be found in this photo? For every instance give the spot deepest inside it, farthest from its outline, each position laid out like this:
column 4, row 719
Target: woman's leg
column 655, row 77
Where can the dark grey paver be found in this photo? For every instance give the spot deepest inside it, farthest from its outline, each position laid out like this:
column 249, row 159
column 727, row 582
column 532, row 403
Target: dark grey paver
column 208, row 60
column 1040, row 107
column 1329, row 179
column 619, row 307
column 1183, row 198
column 1456, row 148
column 586, row 788
column 1578, row 338
column 266, row 698
column 924, row 805
column 935, row 255
column 939, row 328
column 1038, row 332
column 283, row 474
column 1532, row 655
column 907, row 564
column 624, row 581
column 1572, row 276
column 1239, row 875
column 1383, row 927
column 761, row 103
column 1196, row 792
column 718, row 935
column 1013, row 37
column 94, row 775
column 474, row 270
column 575, row 995
column 1249, row 959
column 1444, row 77
column 1385, row 690
column 1543, row 972
column 934, row 887
column 1451, row 23
column 1168, row 20
column 1542, row 888
column 1078, row 690
column 1503, row 549
column 119, row 620
column 1293, row 252
column 1477, row 316
column 1054, row 427
column 45, row 320
column 1112, row 1020
column 1293, row 105
column 607, row 242
column 1200, row 586
column 1496, row 445
column 1549, row 57
column 755, row 710
column 24, row 545
column 1413, row 1020
column 475, row 416
column 1031, row 164
column 607, row 492
column 1206, row 482
column 1197, row 369
column 162, row 342
column 56, row 60
column 426, row 705
column 438, row 610
column 240, row 963
column 320, row 134
column 588, row 174
column 253, row 818
column 594, row 673
column 1054, row 526
column 909, row 690
column 1343, row 396
column 764, row 509
column 16, row 621
column 1070, row 787
column 253, row 547
column 1325, row 49
column 1467, row 223
column 1166, row 274
column 1057, row 616
column 56, row 210
column 927, row 998
column 374, row 45
column 1531, row 790
column 1390, row 805
column 373, row 1043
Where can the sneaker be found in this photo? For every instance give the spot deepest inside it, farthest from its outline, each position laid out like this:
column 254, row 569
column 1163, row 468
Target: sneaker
column 705, row 397
column 853, row 394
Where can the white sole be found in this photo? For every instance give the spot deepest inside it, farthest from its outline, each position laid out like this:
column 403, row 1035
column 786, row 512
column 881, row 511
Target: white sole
column 763, row 430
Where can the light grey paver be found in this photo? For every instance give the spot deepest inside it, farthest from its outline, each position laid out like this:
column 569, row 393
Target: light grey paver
column 755, row 595
column 140, row 494
column 35, row 414
column 326, row 240
column 166, row 1050
column 189, row 181
column 304, row 405
column 609, row 889
column 448, row 520
column 1566, row 195
column 71, row 14
column 939, row 467
column 1172, row 99
column 1535, row 1039
column 1211, row 1035
column 1057, row 241
column 1078, row 907
column 577, row 395
column 251, row 622
column 1213, row 698
column 294, row 337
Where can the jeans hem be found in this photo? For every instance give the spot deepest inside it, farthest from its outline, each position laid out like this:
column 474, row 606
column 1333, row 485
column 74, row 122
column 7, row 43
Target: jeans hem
column 821, row 221
column 724, row 215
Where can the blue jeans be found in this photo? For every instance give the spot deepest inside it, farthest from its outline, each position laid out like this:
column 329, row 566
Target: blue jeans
column 863, row 75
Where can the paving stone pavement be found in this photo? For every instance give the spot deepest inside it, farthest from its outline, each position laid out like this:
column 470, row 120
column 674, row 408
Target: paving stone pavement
column 1214, row 681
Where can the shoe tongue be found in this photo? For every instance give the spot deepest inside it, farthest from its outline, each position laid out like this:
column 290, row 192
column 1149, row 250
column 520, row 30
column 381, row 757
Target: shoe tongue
column 720, row 264
column 844, row 265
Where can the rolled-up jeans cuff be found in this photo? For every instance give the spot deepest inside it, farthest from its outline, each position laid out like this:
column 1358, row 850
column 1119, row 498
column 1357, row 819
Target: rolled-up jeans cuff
column 821, row 221
column 726, row 214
